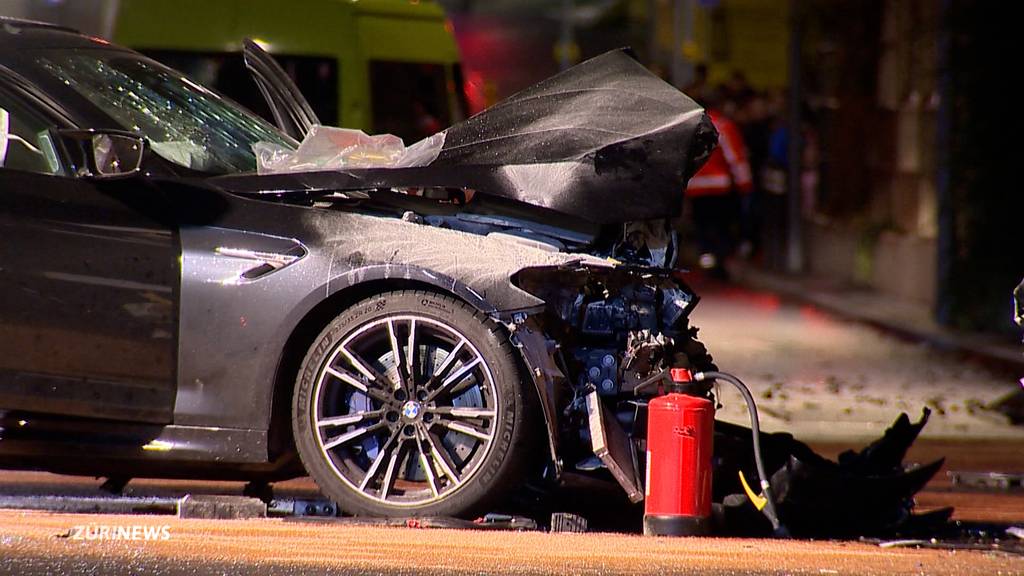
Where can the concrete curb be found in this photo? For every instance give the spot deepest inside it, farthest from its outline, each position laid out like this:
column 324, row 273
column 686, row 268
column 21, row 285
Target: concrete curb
column 214, row 506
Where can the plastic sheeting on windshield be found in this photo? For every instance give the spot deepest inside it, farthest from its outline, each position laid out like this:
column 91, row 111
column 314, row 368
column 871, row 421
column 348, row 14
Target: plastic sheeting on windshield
column 329, row 148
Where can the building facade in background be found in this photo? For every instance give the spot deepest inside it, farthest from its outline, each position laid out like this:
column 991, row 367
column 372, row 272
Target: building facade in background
column 909, row 137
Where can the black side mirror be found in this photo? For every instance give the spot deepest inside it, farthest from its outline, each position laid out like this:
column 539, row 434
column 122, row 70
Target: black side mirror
column 102, row 154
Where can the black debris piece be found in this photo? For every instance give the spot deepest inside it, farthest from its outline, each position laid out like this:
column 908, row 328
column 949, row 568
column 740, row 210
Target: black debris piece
column 865, row 493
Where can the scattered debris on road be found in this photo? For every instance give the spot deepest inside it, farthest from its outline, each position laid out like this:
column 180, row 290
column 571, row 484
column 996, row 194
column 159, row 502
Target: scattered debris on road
column 986, row 480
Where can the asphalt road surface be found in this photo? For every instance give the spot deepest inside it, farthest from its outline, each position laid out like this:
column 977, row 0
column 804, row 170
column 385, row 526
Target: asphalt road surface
column 34, row 542
column 37, row 543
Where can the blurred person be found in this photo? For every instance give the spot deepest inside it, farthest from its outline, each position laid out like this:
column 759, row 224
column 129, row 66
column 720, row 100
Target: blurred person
column 755, row 123
column 732, row 93
column 774, row 179
column 737, row 85
column 716, row 193
column 727, row 104
column 699, row 89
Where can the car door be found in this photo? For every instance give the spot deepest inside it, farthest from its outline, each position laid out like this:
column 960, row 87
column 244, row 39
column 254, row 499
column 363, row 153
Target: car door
column 292, row 113
column 88, row 282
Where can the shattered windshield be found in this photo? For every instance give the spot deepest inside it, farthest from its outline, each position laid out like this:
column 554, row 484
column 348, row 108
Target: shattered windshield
column 183, row 121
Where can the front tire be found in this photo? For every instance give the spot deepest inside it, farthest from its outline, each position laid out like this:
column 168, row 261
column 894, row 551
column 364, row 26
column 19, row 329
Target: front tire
column 411, row 403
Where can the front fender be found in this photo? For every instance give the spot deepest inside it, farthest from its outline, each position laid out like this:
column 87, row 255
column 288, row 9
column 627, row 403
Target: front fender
column 532, row 345
column 409, row 273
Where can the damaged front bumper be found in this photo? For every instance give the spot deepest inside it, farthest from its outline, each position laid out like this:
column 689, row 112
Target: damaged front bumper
column 602, row 344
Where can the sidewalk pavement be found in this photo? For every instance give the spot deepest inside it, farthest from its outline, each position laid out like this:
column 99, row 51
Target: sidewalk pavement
column 903, row 318
column 839, row 366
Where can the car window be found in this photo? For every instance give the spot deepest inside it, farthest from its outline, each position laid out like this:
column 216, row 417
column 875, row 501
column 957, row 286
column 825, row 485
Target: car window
column 25, row 142
column 183, row 121
column 315, row 76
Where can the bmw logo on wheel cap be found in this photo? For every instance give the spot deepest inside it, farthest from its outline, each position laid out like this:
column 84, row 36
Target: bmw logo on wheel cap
column 411, row 410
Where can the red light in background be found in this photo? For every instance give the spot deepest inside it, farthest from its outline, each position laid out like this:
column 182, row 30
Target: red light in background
column 474, row 87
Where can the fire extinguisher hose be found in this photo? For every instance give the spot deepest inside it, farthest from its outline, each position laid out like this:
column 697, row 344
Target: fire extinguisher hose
column 755, row 426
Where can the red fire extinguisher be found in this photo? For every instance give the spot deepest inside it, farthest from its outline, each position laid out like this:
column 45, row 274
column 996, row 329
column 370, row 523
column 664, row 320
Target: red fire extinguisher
column 680, row 430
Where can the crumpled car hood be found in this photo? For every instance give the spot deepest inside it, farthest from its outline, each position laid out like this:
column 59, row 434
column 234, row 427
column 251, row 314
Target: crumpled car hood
column 606, row 141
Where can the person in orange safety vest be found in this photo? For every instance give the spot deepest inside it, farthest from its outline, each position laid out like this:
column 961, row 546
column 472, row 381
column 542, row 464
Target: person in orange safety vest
column 715, row 192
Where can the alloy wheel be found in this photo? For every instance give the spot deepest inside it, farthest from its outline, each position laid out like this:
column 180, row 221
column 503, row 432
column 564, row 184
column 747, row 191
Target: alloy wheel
column 405, row 410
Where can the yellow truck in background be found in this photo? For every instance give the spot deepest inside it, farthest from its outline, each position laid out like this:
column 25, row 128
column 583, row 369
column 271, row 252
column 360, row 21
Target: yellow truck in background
column 377, row 65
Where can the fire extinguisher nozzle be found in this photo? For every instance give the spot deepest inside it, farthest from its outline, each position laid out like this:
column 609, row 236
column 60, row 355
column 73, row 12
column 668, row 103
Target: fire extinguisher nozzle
column 755, row 426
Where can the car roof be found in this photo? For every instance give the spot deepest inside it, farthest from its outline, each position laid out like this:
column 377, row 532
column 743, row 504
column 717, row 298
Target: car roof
column 26, row 23
column 16, row 33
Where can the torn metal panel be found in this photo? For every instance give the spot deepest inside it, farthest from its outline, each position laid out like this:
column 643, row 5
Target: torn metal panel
column 606, row 141
column 614, row 448
column 546, row 377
